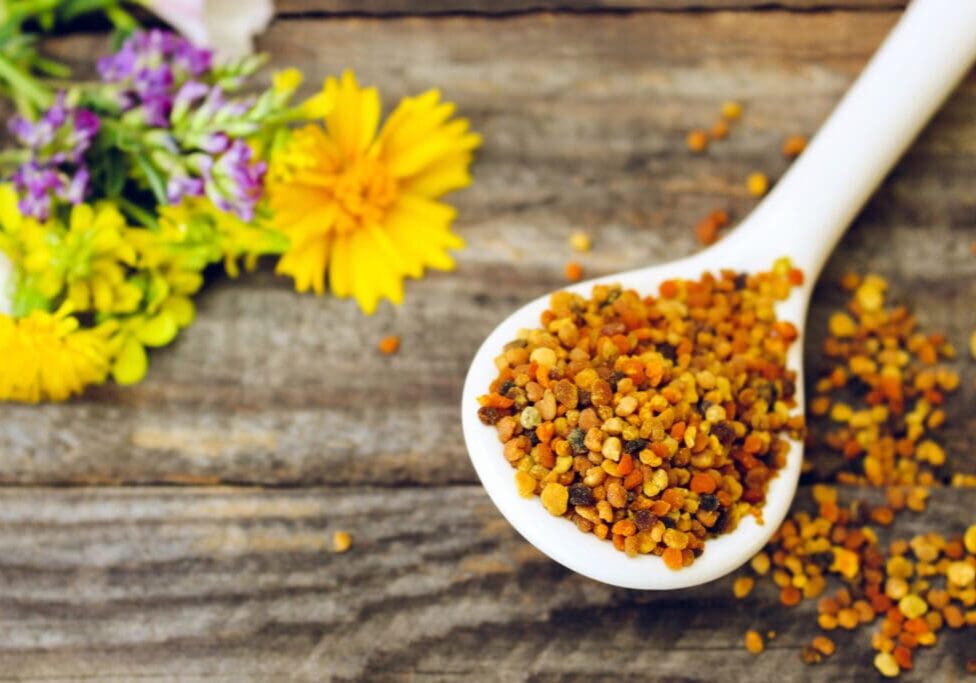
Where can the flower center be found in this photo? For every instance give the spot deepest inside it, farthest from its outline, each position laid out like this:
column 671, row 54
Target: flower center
column 363, row 192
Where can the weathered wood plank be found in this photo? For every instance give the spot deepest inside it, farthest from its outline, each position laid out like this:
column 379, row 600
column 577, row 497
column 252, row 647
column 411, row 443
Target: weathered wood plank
column 236, row 584
column 489, row 7
column 584, row 121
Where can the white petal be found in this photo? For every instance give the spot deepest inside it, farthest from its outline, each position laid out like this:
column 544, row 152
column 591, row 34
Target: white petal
column 232, row 29
column 223, row 25
column 186, row 16
column 6, row 284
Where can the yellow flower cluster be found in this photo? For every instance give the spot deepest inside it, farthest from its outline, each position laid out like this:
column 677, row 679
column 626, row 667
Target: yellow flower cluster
column 134, row 283
column 344, row 197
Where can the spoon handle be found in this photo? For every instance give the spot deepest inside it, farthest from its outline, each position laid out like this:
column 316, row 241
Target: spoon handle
column 918, row 65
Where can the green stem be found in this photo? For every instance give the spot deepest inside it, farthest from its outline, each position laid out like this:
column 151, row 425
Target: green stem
column 290, row 115
column 24, row 84
column 76, row 8
column 65, row 83
column 30, row 8
column 13, row 157
column 137, row 213
column 51, row 68
column 121, row 19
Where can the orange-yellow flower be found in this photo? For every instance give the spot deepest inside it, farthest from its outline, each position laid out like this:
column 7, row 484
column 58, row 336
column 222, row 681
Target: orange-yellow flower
column 363, row 207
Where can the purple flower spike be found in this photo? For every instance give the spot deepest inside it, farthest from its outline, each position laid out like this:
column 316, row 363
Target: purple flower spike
column 179, row 187
column 156, row 109
column 216, row 143
column 85, row 128
column 37, row 185
column 189, row 94
column 74, row 192
column 57, row 143
column 149, row 67
column 62, row 134
column 234, row 180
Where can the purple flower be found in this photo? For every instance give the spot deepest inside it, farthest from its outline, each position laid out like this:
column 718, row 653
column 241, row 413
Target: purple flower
column 215, row 143
column 189, row 94
column 182, row 186
column 57, row 144
column 74, row 192
column 149, row 51
column 156, row 109
column 63, row 133
column 234, row 180
column 149, row 66
column 38, row 185
column 85, row 128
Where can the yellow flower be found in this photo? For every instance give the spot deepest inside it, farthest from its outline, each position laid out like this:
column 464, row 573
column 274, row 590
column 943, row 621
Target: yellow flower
column 139, row 331
column 287, row 80
column 90, row 256
column 46, row 356
column 94, row 256
column 30, row 246
column 11, row 224
column 363, row 206
column 170, row 270
column 196, row 219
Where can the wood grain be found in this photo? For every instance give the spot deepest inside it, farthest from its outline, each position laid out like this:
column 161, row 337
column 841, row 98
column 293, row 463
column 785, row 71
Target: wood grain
column 240, row 585
column 584, row 121
column 584, row 106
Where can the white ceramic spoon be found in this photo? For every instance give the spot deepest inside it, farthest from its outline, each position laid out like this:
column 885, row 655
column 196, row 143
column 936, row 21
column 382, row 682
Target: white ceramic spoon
column 918, row 65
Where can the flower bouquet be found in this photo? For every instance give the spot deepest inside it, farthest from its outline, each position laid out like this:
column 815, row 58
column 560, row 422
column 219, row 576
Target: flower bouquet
column 120, row 193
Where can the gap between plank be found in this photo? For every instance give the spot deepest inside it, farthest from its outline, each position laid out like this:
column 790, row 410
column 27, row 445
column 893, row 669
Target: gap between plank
column 501, row 15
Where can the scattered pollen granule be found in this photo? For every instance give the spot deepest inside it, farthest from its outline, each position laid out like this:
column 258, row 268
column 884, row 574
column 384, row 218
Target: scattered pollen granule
column 573, row 271
column 794, row 145
column 580, row 241
column 757, row 184
column 389, row 345
column 731, row 110
column 697, row 141
column 754, row 642
column 879, row 400
column 341, row 542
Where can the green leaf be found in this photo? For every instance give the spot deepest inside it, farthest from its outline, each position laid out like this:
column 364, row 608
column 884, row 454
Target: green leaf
column 153, row 176
column 51, row 68
column 114, row 173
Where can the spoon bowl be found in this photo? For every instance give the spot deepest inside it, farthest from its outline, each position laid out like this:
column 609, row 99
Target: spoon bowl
column 585, row 553
column 803, row 218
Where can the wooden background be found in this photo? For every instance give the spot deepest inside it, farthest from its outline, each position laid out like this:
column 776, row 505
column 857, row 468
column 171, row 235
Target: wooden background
column 181, row 528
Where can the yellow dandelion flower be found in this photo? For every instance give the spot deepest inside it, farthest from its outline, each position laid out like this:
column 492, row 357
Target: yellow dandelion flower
column 48, row 357
column 363, row 206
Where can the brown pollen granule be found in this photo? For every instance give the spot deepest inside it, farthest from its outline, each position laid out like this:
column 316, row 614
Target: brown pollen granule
column 655, row 422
